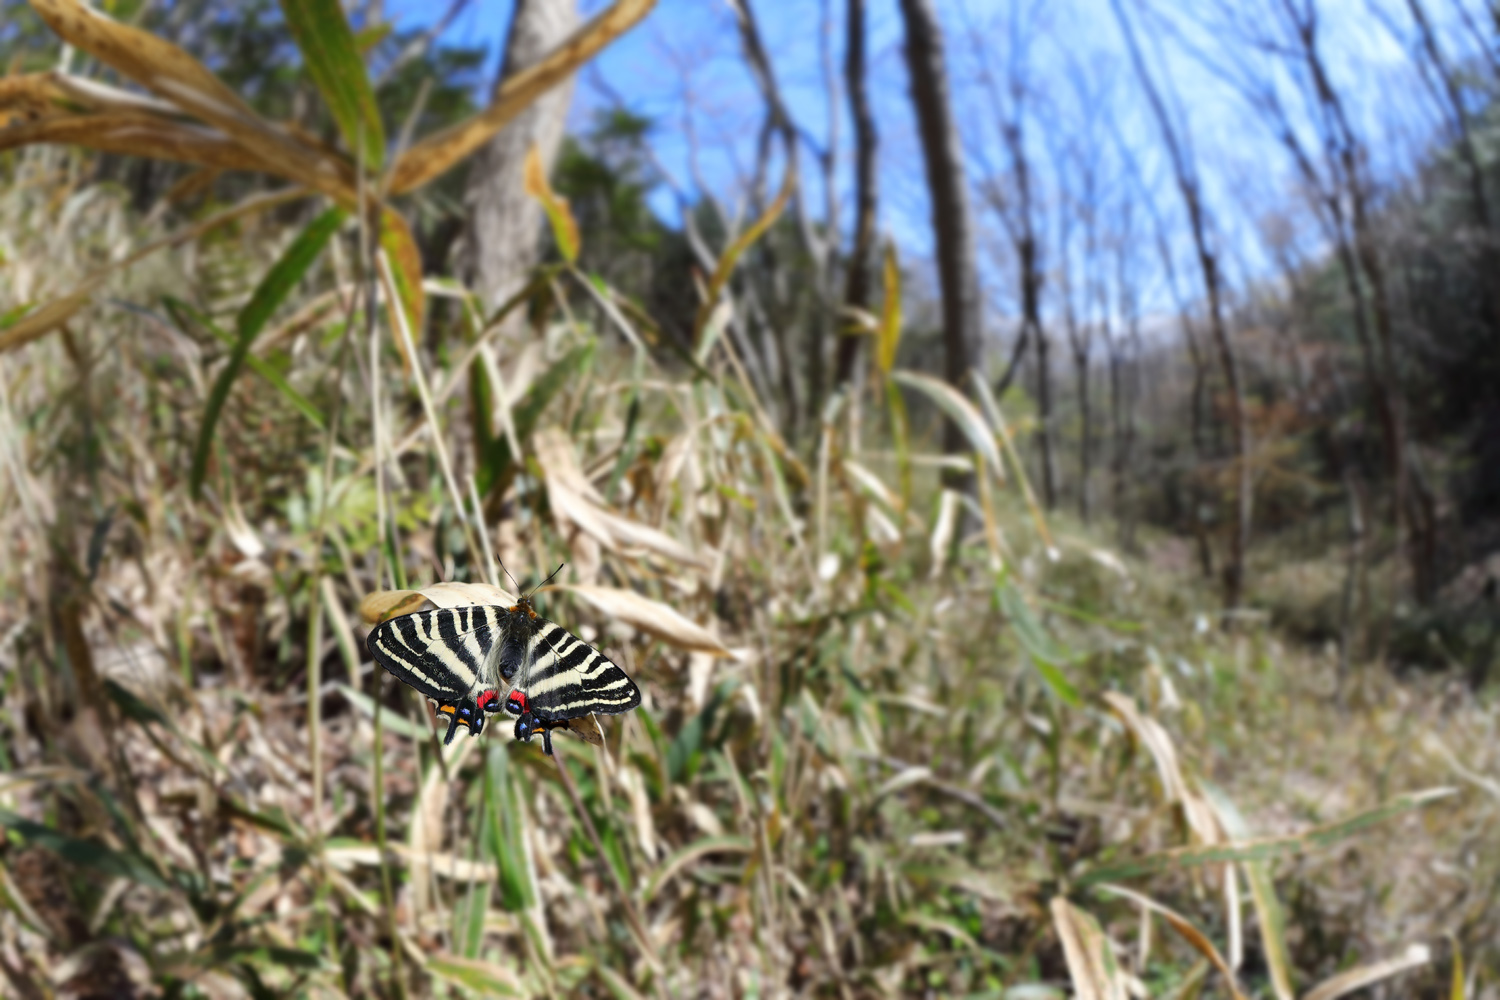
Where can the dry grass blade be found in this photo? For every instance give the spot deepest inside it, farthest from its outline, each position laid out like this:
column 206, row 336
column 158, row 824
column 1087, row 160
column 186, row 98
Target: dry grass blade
column 1269, row 913
column 1174, row 788
column 1268, row 847
column 135, row 133
column 650, row 616
column 958, row 409
column 1184, row 927
column 437, row 153
column 1366, row 975
column 693, row 852
column 46, row 319
column 177, row 77
column 1091, row 962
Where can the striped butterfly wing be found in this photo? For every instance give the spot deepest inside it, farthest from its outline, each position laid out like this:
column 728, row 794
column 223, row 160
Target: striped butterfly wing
column 566, row 678
column 444, row 654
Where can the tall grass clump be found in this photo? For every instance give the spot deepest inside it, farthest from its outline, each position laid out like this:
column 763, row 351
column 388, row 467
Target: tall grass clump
column 897, row 738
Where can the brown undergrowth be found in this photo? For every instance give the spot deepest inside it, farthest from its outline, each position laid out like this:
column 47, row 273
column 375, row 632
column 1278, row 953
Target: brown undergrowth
column 896, row 741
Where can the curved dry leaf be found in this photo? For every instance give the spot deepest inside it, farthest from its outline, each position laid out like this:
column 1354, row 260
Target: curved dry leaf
column 463, row 595
column 376, row 607
column 650, row 616
column 1361, row 976
column 1185, row 929
column 176, row 76
column 567, row 505
column 628, row 532
column 1158, row 742
column 435, row 154
column 135, row 133
column 379, row 605
column 1090, row 960
column 959, row 410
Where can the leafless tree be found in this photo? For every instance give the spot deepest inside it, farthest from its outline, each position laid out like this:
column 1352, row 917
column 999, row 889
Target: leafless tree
column 1011, row 195
column 504, row 222
column 948, row 188
column 857, row 283
column 1189, row 186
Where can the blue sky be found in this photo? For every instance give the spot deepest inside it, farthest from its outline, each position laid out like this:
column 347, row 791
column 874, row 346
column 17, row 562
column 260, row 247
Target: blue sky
column 683, row 68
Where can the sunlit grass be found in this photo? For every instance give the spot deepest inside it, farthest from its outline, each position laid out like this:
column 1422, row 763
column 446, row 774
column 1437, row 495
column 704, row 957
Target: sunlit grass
column 851, row 775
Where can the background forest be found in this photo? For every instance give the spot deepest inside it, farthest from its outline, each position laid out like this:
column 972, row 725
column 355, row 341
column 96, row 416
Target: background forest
column 1040, row 462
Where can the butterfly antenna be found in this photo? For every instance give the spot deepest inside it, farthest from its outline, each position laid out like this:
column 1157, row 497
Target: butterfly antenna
column 507, row 573
column 549, row 579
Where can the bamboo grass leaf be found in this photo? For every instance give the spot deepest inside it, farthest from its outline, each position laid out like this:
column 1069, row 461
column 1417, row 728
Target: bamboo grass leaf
column 564, row 226
column 888, row 333
column 177, row 77
column 400, row 246
column 437, row 153
column 1046, row 655
column 486, row 978
column 1268, row 909
column 1267, row 848
column 1185, row 929
column 1359, row 977
column 331, row 55
column 730, row 258
column 268, row 295
column 958, row 409
column 685, row 856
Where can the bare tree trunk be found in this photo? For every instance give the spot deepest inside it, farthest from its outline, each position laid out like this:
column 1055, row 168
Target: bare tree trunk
column 504, row 222
column 1044, row 418
column 952, row 224
column 1188, row 187
column 857, row 286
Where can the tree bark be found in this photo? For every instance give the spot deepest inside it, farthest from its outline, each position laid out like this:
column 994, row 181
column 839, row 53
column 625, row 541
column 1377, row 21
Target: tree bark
column 857, row 284
column 504, row 222
column 952, row 223
column 1185, row 173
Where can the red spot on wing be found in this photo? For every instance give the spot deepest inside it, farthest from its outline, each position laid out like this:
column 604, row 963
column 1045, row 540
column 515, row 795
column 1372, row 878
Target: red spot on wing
column 517, row 702
column 485, row 699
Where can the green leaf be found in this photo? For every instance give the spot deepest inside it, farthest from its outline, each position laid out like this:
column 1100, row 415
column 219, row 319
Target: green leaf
column 1268, row 910
column 88, row 854
column 269, row 294
column 506, row 832
column 265, row 370
column 1265, row 849
column 331, row 54
column 486, row 978
column 731, row 256
column 1046, row 655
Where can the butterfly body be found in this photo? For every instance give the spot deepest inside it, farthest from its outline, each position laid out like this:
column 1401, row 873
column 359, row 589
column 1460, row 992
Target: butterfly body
column 459, row 656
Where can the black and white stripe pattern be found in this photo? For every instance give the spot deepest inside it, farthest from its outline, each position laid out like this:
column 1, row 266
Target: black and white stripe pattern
column 442, row 653
column 457, row 656
column 569, row 678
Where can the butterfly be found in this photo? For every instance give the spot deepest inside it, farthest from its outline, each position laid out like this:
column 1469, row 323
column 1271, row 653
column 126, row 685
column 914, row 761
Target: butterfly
column 458, row 657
